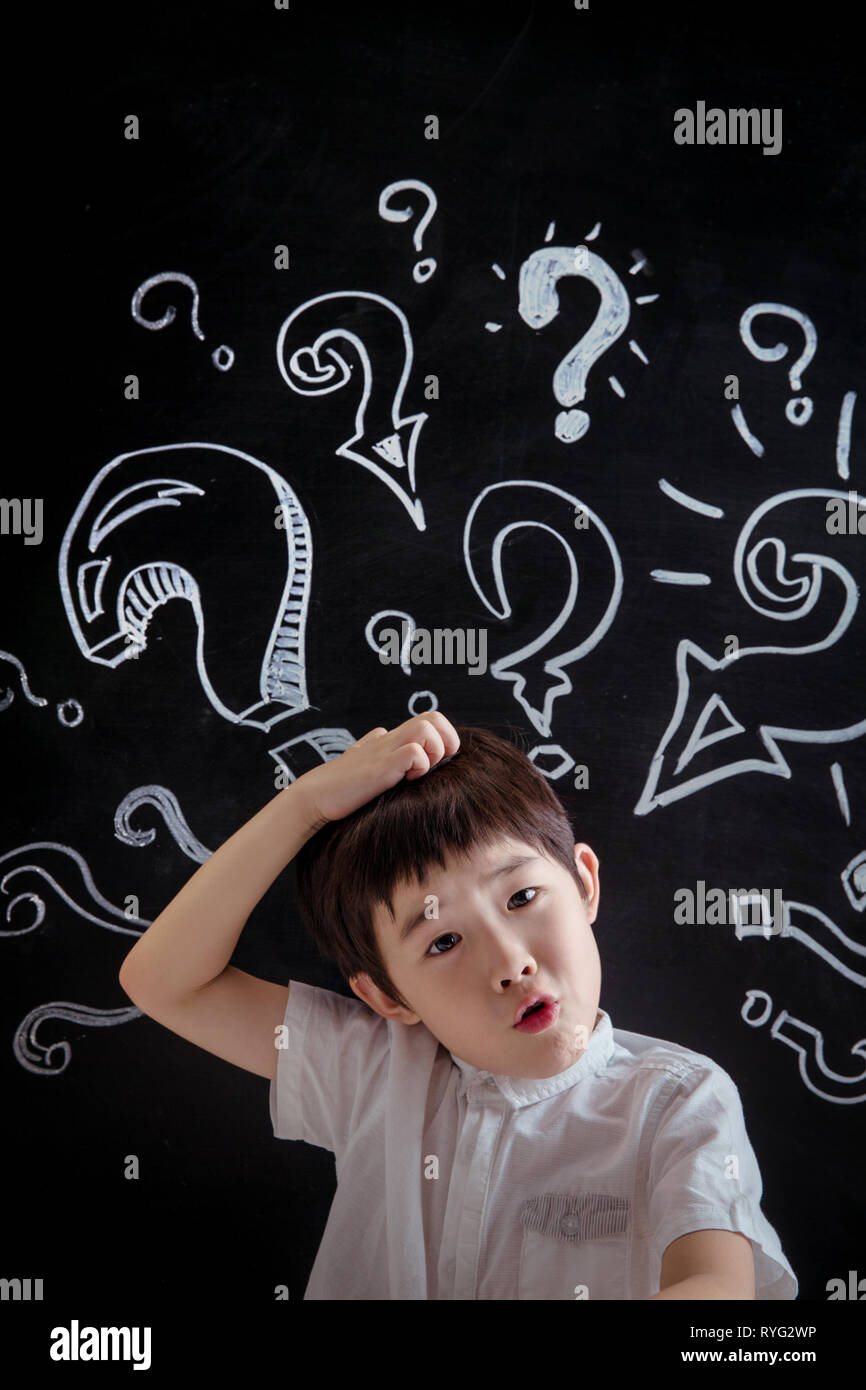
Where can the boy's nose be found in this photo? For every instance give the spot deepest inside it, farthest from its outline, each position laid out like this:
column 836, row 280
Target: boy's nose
column 508, row 958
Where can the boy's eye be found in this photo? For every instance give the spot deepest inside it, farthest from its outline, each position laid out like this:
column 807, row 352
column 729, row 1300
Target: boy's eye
column 525, row 890
column 451, row 934
column 431, row 952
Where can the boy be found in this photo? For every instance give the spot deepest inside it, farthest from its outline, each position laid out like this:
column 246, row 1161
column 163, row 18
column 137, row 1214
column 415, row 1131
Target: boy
column 479, row 1154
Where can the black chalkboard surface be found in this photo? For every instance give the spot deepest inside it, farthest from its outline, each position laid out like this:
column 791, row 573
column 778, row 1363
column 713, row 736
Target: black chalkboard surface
column 515, row 323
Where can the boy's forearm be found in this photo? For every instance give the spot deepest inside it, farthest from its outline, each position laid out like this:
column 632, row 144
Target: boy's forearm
column 193, row 939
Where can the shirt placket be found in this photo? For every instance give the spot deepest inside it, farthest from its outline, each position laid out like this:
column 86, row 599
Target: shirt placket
column 465, row 1218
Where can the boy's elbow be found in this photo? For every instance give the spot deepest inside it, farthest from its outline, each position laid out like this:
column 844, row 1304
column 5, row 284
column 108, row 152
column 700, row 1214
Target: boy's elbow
column 126, row 980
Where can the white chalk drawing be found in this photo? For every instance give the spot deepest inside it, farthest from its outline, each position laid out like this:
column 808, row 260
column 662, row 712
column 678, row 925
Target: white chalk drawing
column 704, row 508
column 110, row 594
column 854, row 881
column 323, row 743
column 799, row 411
column 50, row 1059
column 69, row 712
column 222, row 357
column 840, row 1088
column 816, row 931
column 67, row 873
column 497, row 511
column 745, row 433
column 168, row 806
column 415, row 707
column 841, row 793
column 539, row 305
column 590, row 236
column 409, row 634
column 693, row 712
column 551, row 750
column 641, row 264
column 53, row 862
column 414, row 703
column 577, row 254
column 679, row 577
column 379, row 426
column 843, row 433
column 422, row 269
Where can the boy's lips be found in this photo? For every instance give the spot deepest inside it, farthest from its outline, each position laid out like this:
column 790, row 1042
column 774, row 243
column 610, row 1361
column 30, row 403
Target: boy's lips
column 527, row 1003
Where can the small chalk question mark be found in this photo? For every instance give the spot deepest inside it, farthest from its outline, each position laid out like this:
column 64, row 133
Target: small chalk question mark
column 422, row 269
column 222, row 357
column 799, row 410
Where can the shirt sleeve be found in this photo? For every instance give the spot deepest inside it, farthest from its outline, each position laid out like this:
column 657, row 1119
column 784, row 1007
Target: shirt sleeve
column 333, row 1050
column 704, row 1175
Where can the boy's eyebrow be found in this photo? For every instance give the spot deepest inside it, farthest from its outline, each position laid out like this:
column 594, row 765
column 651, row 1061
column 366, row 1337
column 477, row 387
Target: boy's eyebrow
column 505, row 868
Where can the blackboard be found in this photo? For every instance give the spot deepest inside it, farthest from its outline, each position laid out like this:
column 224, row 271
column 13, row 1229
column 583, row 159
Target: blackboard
column 580, row 386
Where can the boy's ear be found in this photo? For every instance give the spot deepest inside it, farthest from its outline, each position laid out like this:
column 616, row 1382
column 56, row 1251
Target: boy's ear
column 587, row 866
column 379, row 1001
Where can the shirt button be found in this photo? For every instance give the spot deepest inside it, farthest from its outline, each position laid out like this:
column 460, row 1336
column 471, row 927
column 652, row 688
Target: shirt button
column 570, row 1225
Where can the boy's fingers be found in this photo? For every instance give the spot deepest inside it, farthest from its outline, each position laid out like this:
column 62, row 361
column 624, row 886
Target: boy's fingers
column 418, row 760
column 370, row 735
column 431, row 740
column 440, row 726
column 447, row 730
column 431, row 731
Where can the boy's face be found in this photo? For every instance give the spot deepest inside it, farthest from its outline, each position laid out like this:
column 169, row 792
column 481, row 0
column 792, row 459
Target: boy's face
column 493, row 945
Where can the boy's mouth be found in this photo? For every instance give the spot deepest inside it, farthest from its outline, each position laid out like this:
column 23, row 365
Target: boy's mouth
column 535, row 1013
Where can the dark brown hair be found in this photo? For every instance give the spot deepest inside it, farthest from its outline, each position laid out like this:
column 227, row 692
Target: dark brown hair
column 489, row 789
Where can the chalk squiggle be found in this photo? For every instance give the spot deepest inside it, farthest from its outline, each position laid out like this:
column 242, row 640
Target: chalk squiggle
column 169, row 808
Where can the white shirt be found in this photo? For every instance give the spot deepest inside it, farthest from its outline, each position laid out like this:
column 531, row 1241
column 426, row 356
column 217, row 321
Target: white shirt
column 453, row 1183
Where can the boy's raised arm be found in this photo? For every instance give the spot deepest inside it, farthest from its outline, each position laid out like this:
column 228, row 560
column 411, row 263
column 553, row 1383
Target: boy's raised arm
column 192, row 940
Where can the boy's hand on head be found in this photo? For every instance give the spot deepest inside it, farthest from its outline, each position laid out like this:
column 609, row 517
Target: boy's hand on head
column 376, row 762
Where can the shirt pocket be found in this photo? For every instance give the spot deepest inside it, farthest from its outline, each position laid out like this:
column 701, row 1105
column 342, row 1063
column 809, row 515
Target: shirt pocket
column 572, row 1239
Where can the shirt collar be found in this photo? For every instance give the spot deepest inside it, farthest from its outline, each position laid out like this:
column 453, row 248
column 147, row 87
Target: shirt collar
column 520, row 1091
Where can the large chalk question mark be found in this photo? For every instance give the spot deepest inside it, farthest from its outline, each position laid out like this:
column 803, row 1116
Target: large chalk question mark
column 422, row 269
column 142, row 535
column 503, row 508
column 799, row 410
column 222, row 357
column 539, row 305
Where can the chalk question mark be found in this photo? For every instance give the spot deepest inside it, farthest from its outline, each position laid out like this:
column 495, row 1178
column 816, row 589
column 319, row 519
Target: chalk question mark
column 222, row 357
column 499, row 510
column 422, row 269
column 539, row 305
column 839, row 1087
column 796, row 416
